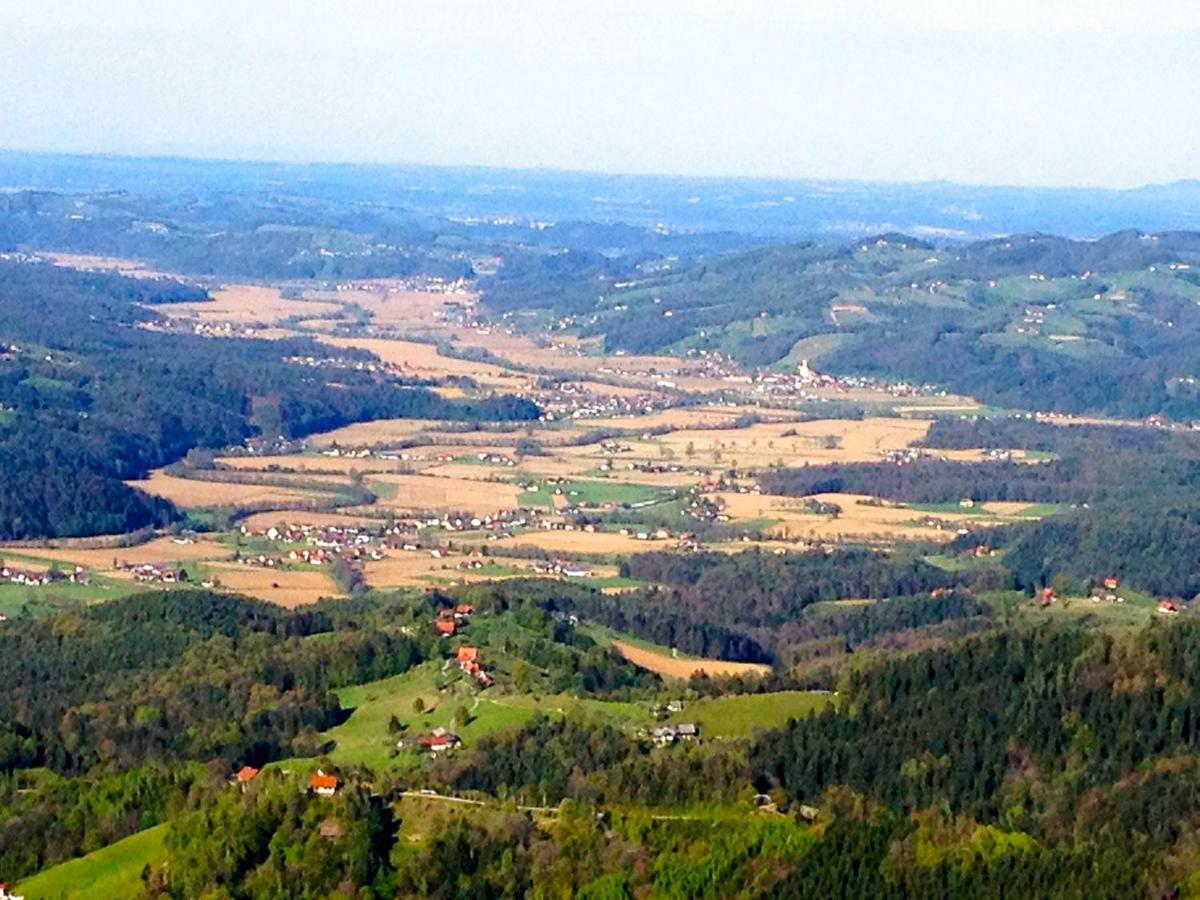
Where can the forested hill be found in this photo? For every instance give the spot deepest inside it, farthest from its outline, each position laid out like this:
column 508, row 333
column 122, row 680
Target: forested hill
column 1028, row 321
column 90, row 399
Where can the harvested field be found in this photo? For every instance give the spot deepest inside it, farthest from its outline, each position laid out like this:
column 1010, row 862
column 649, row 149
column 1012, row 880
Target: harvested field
column 246, row 304
column 377, row 432
column 682, row 417
column 673, row 667
column 554, row 466
column 284, row 587
column 186, row 492
column 264, row 520
column 309, row 463
column 132, row 268
column 857, row 520
column 568, row 542
column 423, row 360
column 1006, row 508
column 163, row 549
column 790, row 443
column 391, row 304
column 417, row 568
column 426, row 492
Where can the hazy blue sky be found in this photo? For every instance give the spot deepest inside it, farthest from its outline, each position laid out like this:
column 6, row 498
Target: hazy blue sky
column 1022, row 92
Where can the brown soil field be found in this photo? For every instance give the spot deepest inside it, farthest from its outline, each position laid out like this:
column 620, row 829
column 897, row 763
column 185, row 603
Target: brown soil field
column 186, row 492
column 286, row 588
column 162, row 549
column 422, row 492
column 245, row 304
column 672, row 667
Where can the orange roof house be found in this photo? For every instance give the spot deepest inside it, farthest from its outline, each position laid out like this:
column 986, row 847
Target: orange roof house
column 445, row 627
column 323, row 784
column 246, row 773
column 467, row 653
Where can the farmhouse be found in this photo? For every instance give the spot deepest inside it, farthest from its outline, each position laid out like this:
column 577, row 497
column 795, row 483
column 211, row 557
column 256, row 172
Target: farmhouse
column 468, row 654
column 246, row 774
column 322, row 784
column 671, row 734
column 445, row 627
column 439, row 741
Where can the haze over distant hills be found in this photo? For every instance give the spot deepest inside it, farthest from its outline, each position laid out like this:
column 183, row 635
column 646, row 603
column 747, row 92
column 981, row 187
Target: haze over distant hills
column 939, row 211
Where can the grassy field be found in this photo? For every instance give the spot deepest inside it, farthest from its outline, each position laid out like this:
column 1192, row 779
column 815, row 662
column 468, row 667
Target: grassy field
column 591, row 493
column 114, row 871
column 364, row 737
column 16, row 599
column 739, row 716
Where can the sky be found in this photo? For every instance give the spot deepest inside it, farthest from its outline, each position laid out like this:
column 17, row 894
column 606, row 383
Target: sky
column 1029, row 92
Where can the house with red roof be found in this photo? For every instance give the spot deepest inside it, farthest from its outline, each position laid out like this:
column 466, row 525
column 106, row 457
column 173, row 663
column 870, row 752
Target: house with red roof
column 323, row 784
column 246, row 774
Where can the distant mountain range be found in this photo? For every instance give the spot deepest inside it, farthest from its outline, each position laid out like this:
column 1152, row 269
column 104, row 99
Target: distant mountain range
column 765, row 208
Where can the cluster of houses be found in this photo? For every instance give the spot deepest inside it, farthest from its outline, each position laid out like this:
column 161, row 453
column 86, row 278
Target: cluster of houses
column 320, row 783
column 32, row 578
column 576, row 401
column 664, row 735
column 657, row 534
column 449, row 621
column 1106, row 592
column 156, row 573
column 315, row 556
column 802, row 383
column 558, row 566
column 468, row 662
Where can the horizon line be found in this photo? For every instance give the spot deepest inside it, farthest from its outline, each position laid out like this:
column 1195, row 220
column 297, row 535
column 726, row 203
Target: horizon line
column 566, row 170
